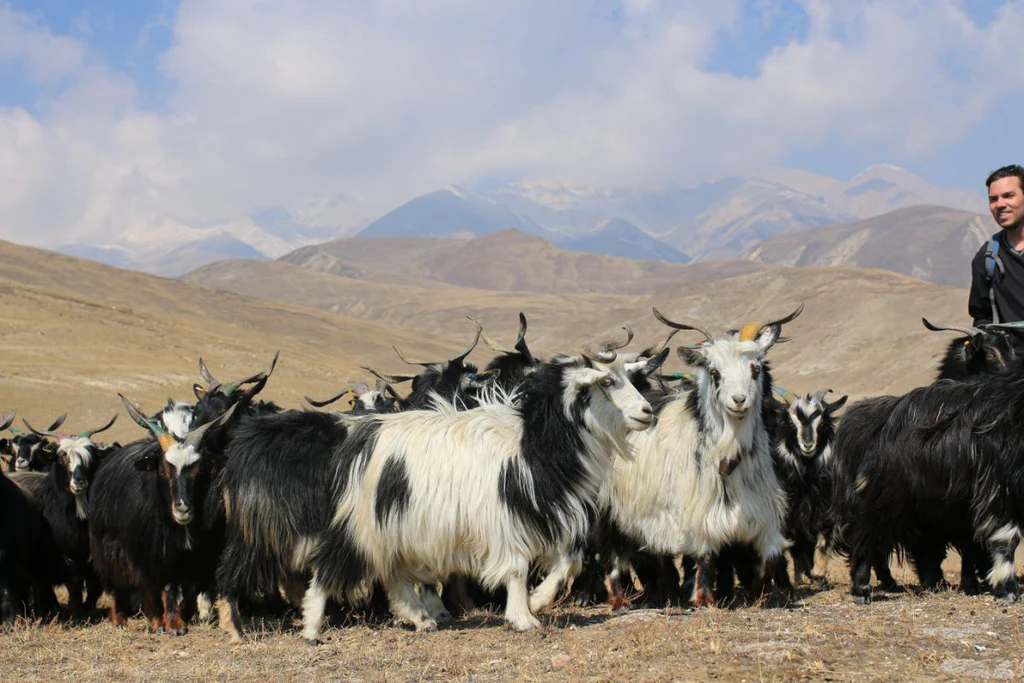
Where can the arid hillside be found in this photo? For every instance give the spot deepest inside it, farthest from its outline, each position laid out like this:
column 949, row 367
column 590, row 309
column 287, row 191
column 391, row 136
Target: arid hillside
column 860, row 333
column 73, row 333
column 507, row 260
column 932, row 243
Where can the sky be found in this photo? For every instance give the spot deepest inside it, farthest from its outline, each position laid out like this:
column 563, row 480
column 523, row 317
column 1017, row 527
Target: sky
column 126, row 116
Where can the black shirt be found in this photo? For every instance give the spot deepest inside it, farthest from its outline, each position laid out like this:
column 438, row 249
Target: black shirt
column 1008, row 284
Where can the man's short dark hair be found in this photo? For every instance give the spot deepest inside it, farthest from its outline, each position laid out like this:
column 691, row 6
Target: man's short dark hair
column 1011, row 171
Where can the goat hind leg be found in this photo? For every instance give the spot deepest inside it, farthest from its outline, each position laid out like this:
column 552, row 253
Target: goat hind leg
column 565, row 568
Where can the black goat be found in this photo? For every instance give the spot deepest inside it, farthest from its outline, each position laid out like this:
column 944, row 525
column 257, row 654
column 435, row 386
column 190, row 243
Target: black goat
column 803, row 439
column 29, row 452
column 156, row 518
column 278, row 497
column 454, row 380
column 62, row 495
column 218, row 397
column 939, row 466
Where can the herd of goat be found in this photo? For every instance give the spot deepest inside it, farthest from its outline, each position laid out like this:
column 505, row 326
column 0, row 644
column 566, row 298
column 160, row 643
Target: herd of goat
column 513, row 483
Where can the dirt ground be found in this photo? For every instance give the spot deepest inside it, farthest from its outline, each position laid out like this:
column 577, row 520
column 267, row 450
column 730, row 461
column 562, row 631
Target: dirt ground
column 821, row 635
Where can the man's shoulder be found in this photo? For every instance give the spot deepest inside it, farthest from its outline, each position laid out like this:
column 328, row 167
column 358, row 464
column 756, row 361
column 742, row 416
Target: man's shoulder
column 984, row 248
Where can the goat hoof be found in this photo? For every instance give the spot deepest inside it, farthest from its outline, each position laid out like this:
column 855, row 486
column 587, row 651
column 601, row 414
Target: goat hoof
column 1006, row 600
column 312, row 642
column 862, row 599
column 427, row 627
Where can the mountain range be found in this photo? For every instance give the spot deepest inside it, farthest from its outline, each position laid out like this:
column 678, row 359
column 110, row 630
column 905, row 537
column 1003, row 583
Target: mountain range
column 718, row 220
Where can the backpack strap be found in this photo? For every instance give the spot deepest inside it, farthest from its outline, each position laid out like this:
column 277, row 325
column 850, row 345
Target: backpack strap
column 992, row 264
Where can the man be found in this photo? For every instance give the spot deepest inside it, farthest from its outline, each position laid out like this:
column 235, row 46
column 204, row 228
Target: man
column 997, row 271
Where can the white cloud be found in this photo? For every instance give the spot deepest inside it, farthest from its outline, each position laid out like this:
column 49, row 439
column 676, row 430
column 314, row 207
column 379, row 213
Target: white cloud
column 341, row 110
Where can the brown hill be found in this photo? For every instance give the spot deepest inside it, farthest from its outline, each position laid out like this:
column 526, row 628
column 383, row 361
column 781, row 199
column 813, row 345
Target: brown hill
column 928, row 242
column 507, row 260
column 860, row 332
column 73, row 333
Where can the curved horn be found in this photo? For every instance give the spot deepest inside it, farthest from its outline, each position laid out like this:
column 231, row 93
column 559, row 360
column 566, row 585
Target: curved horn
column 10, row 418
column 260, row 377
column 196, row 435
column 788, row 319
column 327, row 401
column 598, row 355
column 488, row 342
column 678, row 326
column 784, row 394
column 820, row 395
column 205, row 373
column 412, row 361
column 39, row 432
column 163, row 437
column 521, row 337
column 469, row 349
column 392, row 379
column 612, row 345
column 969, row 331
column 90, row 432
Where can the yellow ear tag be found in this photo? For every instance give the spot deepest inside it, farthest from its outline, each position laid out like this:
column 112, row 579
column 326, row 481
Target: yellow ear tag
column 166, row 441
column 750, row 332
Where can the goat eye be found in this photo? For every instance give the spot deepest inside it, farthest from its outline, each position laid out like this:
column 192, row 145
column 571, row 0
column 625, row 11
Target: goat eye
column 715, row 374
column 605, row 381
column 755, row 371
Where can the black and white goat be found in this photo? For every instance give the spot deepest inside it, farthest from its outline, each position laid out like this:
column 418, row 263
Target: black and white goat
column 418, row 496
column 703, row 477
column 156, row 521
column 803, row 440
column 938, row 466
column 62, row 495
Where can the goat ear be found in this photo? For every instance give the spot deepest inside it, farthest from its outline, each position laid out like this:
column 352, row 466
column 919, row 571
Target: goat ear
column 691, row 355
column 652, row 365
column 149, row 462
column 199, row 391
column 837, row 404
column 47, row 453
column 768, row 336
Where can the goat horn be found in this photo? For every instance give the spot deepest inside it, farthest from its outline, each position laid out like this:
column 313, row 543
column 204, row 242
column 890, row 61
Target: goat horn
column 205, row 373
column 969, row 331
column 488, row 342
column 381, row 386
column 10, row 418
column 325, row 402
column 163, row 437
column 260, row 377
column 612, row 345
column 39, row 432
column 678, row 326
column 598, row 355
column 90, row 432
column 412, row 361
column 469, row 349
column 392, row 379
column 789, row 318
column 819, row 395
column 195, row 436
column 1008, row 326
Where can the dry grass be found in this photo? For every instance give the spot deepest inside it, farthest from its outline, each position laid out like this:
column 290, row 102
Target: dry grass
column 822, row 635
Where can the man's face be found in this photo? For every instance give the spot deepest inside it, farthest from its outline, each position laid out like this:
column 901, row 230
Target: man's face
column 1006, row 202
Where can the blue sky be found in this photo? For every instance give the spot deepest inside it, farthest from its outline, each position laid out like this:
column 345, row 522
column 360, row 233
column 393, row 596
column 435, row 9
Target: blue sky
column 119, row 117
